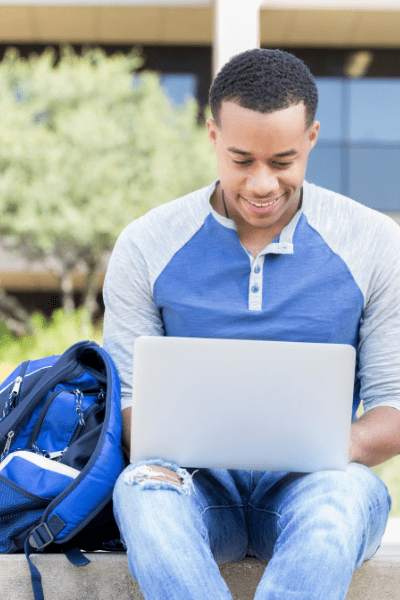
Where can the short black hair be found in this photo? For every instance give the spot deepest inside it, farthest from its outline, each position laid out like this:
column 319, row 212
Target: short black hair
column 265, row 81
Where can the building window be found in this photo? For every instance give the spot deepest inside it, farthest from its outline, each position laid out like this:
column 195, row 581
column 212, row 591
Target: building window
column 179, row 87
column 358, row 150
column 374, row 110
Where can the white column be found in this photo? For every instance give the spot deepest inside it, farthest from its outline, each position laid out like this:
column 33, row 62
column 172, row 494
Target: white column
column 236, row 29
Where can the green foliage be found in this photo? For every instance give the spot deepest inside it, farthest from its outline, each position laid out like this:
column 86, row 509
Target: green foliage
column 6, row 339
column 85, row 148
column 48, row 338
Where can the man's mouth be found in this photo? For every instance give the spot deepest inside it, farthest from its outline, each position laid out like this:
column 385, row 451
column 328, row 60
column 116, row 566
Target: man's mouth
column 264, row 204
column 261, row 207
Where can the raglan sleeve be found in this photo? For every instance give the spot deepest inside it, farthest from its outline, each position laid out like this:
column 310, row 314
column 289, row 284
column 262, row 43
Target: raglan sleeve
column 130, row 310
column 379, row 342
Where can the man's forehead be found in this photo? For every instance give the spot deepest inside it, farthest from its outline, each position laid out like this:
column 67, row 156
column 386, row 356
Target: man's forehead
column 244, row 129
column 233, row 107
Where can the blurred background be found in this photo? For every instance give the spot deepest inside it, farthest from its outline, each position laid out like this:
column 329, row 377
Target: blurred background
column 102, row 111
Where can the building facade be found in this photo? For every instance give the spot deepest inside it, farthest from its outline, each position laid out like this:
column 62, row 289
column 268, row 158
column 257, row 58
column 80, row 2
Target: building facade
column 352, row 48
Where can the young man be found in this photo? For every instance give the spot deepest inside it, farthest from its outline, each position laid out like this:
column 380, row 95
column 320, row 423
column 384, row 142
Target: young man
column 260, row 253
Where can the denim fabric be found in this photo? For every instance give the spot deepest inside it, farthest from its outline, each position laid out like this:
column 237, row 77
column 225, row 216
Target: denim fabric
column 314, row 529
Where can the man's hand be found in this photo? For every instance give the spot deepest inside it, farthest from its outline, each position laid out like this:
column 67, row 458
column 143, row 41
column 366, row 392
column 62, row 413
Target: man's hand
column 375, row 436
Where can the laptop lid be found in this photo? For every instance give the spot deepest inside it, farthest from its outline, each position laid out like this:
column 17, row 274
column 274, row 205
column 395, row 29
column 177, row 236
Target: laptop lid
column 242, row 404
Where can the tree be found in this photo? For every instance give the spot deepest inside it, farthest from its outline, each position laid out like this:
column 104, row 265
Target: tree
column 86, row 146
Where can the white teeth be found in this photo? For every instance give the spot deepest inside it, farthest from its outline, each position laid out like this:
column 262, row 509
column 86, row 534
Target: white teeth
column 262, row 205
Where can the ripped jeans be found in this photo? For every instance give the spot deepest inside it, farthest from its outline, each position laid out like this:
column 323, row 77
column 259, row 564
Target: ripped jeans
column 314, row 529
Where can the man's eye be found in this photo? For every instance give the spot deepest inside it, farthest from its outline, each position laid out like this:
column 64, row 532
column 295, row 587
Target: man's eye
column 242, row 162
column 283, row 164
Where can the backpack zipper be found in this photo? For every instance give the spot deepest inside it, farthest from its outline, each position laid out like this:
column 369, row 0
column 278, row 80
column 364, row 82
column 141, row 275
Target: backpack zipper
column 10, row 402
column 13, row 397
column 16, row 391
column 16, row 388
column 93, row 408
column 70, row 371
column 38, row 425
column 6, row 450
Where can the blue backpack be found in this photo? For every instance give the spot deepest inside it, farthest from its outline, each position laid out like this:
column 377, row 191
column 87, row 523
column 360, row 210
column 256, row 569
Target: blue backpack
column 60, row 452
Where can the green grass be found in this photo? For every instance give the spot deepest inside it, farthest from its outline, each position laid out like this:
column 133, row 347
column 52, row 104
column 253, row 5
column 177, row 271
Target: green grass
column 49, row 338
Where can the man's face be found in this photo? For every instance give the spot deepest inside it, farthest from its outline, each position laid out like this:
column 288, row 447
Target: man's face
column 262, row 161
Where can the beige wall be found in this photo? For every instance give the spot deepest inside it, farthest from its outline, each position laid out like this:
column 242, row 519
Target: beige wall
column 194, row 25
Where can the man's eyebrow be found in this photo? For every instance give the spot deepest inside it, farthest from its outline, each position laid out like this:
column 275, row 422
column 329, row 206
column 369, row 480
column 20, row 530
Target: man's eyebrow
column 291, row 152
column 288, row 153
column 236, row 151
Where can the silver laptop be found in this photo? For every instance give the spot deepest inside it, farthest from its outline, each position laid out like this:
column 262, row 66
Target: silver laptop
column 242, row 404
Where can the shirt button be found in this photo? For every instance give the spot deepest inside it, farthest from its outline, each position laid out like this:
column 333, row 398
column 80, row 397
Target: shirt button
column 257, row 269
column 255, row 289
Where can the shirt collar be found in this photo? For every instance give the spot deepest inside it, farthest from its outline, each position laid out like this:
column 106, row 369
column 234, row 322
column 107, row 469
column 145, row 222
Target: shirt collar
column 285, row 243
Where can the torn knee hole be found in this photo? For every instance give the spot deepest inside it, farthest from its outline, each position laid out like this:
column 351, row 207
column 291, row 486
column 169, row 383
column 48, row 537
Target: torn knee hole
column 161, row 474
column 154, row 473
column 157, row 477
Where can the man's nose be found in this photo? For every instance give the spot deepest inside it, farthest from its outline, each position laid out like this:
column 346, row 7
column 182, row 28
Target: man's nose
column 263, row 182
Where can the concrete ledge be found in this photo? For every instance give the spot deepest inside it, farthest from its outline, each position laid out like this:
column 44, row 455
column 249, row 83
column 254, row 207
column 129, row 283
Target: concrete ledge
column 108, row 577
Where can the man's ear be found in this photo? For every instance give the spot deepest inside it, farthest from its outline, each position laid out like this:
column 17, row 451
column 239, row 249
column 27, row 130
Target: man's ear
column 313, row 134
column 212, row 131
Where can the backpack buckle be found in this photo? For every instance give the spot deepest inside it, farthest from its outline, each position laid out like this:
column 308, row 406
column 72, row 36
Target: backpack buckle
column 40, row 536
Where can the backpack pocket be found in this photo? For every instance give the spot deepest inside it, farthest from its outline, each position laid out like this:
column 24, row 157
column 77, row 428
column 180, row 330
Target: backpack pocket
column 61, row 416
column 19, row 510
column 36, row 474
column 28, row 483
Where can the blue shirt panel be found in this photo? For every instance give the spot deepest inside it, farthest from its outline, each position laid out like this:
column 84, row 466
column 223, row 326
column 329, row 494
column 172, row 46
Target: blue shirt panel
column 308, row 296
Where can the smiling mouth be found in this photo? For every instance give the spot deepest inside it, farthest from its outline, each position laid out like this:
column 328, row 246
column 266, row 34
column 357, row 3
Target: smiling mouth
column 262, row 205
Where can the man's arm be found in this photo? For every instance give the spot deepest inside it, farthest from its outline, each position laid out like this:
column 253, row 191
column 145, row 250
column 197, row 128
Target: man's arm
column 375, row 436
column 130, row 310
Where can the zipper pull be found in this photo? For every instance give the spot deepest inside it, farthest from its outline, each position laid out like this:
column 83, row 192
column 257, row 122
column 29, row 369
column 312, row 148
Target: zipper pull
column 10, row 402
column 57, row 455
column 78, row 406
column 16, row 386
column 7, row 447
column 12, row 397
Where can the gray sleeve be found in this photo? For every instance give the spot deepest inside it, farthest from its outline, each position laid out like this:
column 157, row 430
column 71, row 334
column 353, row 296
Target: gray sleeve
column 369, row 244
column 130, row 309
column 379, row 347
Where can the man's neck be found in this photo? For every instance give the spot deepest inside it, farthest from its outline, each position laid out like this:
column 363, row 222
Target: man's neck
column 254, row 239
